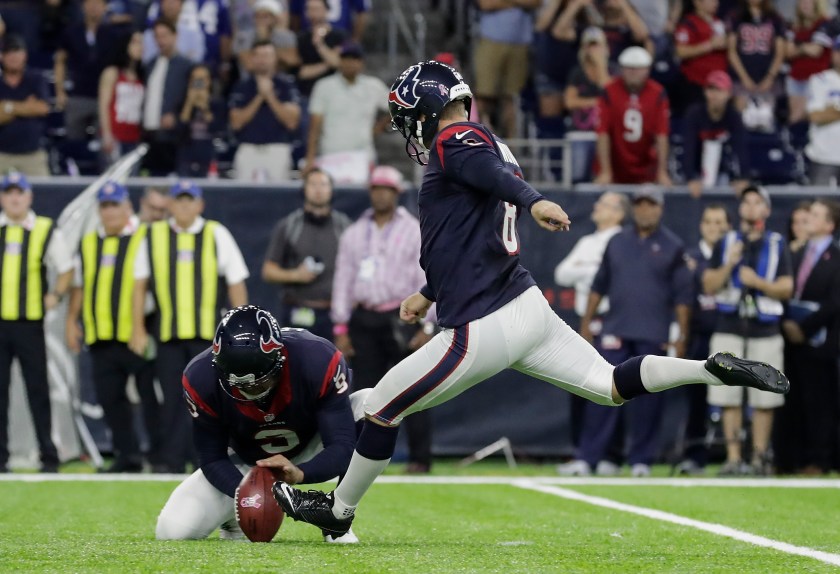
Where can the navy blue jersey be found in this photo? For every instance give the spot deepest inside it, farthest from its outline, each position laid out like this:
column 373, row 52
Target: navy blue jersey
column 471, row 198
column 311, row 398
column 644, row 277
column 264, row 127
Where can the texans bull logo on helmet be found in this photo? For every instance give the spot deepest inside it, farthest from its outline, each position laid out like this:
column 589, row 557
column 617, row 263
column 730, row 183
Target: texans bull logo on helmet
column 217, row 340
column 272, row 343
column 405, row 93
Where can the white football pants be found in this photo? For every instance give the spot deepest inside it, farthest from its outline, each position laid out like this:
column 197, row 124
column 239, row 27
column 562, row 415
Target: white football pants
column 525, row 335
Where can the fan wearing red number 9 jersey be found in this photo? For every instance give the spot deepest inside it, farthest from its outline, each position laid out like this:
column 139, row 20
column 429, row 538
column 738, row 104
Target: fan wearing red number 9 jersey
column 633, row 117
column 261, row 391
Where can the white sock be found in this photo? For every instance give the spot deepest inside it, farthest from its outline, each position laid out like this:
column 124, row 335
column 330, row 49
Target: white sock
column 660, row 373
column 360, row 475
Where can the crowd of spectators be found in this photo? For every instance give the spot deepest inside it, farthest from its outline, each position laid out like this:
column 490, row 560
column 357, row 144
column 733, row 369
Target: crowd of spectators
column 766, row 72
column 748, row 85
column 201, row 81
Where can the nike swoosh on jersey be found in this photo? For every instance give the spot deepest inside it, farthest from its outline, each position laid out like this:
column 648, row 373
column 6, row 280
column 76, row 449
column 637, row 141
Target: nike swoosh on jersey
column 460, row 135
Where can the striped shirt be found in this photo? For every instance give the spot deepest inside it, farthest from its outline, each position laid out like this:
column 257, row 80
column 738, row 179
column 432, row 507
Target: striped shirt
column 376, row 267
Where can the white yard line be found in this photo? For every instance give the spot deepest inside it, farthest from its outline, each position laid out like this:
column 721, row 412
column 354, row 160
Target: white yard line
column 719, row 529
column 455, row 480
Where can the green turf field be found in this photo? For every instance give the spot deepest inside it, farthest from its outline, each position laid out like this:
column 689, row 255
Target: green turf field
column 71, row 526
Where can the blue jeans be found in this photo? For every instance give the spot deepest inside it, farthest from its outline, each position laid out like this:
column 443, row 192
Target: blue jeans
column 583, row 153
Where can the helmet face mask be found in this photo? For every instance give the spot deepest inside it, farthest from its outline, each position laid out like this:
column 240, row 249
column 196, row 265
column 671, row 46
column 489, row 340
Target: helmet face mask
column 411, row 129
column 247, row 353
column 250, row 387
column 416, row 102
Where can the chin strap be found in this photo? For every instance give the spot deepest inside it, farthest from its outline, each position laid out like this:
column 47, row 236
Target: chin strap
column 414, row 144
column 418, row 133
column 415, row 152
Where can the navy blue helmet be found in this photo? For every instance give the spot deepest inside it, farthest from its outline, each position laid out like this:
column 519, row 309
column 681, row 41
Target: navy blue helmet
column 422, row 91
column 247, row 352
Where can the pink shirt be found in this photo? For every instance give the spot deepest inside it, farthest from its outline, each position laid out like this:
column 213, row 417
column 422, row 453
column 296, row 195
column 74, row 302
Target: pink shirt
column 376, row 267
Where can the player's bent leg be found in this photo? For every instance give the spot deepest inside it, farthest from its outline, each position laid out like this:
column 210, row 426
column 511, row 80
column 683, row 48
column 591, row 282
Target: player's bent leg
column 452, row 362
column 194, row 510
column 316, row 445
column 562, row 357
column 357, row 403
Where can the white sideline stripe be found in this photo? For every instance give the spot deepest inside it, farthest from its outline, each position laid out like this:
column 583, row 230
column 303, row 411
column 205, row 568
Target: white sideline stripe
column 719, row 529
column 456, row 480
column 593, row 481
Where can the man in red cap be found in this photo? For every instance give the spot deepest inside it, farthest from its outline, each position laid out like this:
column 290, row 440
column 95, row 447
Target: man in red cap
column 377, row 266
column 715, row 139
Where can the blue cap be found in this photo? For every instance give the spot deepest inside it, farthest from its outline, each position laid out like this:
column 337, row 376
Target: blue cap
column 186, row 187
column 112, row 192
column 16, row 179
column 351, row 50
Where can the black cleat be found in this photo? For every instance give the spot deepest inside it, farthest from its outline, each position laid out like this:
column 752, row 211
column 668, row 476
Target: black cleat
column 735, row 372
column 314, row 507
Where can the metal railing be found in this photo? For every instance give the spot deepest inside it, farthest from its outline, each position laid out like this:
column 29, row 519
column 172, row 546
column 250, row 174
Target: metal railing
column 543, row 161
column 549, row 160
column 411, row 28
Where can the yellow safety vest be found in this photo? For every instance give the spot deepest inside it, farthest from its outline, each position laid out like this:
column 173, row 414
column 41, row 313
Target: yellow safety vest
column 186, row 265
column 23, row 274
column 108, row 284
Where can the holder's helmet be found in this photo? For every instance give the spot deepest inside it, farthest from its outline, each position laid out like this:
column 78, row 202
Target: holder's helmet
column 247, row 352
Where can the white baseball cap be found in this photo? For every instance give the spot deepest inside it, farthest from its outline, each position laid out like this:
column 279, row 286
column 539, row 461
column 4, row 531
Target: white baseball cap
column 635, row 57
column 272, row 6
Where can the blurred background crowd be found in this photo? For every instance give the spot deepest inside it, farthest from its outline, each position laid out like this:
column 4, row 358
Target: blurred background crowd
column 215, row 86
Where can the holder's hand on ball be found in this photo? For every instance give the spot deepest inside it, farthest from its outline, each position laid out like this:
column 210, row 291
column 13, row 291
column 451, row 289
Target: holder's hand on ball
column 285, row 469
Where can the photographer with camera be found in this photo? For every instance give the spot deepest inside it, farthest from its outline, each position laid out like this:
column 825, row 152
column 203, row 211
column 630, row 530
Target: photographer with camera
column 301, row 257
column 195, row 147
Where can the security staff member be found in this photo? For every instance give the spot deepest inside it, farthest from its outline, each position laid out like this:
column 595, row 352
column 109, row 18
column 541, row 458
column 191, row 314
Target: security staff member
column 188, row 263
column 102, row 294
column 28, row 244
column 301, row 257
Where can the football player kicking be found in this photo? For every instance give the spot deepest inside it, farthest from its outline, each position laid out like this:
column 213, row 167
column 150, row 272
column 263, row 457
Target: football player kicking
column 261, row 391
column 494, row 316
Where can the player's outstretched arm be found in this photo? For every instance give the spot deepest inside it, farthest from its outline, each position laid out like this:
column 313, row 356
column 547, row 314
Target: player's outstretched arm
column 550, row 216
column 414, row 308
